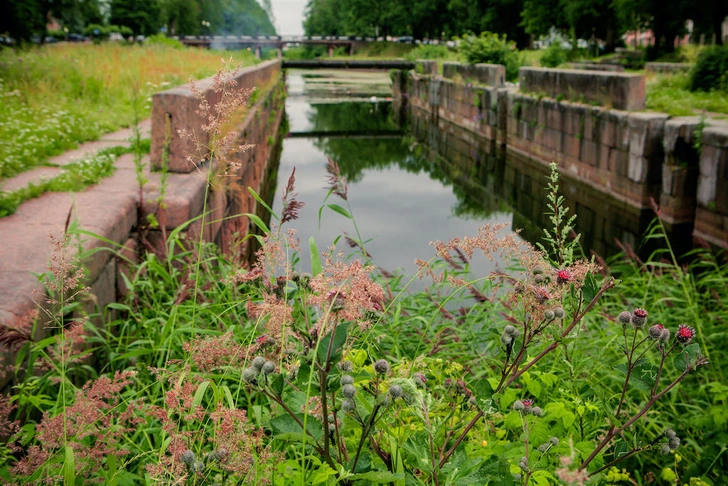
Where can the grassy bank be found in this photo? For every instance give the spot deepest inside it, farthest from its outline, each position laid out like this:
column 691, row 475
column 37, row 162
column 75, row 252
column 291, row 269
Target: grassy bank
column 57, row 96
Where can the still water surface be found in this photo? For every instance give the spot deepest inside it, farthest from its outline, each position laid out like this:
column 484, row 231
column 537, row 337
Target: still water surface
column 401, row 200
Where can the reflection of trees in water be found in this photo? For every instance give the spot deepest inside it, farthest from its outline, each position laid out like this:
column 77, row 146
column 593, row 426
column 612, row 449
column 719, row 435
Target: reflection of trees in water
column 355, row 155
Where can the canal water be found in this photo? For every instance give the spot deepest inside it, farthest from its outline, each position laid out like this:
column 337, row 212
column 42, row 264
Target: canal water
column 413, row 183
column 399, row 198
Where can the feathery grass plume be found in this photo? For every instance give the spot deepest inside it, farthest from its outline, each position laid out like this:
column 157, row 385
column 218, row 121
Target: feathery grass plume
column 352, row 287
column 66, row 273
column 94, row 426
column 291, row 205
column 221, row 143
column 336, row 181
column 13, row 337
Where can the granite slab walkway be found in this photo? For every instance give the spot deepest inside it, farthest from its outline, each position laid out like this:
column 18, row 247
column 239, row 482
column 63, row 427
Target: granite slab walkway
column 108, row 209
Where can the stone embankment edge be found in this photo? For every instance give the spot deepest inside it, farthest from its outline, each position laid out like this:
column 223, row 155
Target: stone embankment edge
column 630, row 156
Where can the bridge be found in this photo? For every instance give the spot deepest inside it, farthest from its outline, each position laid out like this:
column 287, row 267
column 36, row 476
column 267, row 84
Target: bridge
column 351, row 43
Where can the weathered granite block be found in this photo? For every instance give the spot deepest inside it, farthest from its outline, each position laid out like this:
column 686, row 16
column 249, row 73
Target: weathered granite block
column 618, row 90
column 487, row 74
column 645, row 146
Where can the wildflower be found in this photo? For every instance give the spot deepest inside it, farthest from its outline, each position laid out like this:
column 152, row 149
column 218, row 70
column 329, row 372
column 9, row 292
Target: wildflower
column 549, row 315
column 348, row 405
column 543, row 447
column 527, row 402
column 684, row 334
column 625, row 317
column 346, row 366
column 639, row 317
column 563, row 276
column 337, row 182
column 537, row 411
column 656, row 331
column 665, row 336
column 249, row 375
column 381, row 366
column 188, row 457
column 258, row 363
column 506, row 339
column 665, row 449
column 290, row 204
column 537, row 270
column 523, row 464
column 510, row 330
column 554, row 440
column 347, row 380
column 269, row 367
column 669, row 433
column 518, row 405
column 541, row 294
column 396, row 391
column 348, row 391
column 674, row 443
column 559, row 312
column 419, row 379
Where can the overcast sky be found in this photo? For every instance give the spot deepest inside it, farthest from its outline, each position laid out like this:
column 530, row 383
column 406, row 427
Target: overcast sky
column 289, row 16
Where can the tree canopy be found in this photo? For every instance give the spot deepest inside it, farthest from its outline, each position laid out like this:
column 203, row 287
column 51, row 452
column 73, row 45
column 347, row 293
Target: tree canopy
column 519, row 20
column 26, row 18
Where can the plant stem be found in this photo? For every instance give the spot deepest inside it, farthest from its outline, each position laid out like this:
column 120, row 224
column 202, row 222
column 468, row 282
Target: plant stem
column 616, row 431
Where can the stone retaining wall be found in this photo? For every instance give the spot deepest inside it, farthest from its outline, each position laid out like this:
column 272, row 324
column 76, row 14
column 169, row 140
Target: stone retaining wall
column 632, row 158
column 616, row 90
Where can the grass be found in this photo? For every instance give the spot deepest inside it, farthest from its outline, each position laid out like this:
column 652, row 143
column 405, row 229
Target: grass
column 668, row 93
column 57, row 96
column 73, row 177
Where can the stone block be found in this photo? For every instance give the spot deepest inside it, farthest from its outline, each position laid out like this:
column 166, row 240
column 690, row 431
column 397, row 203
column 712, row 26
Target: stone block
column 426, row 67
column 486, row 74
column 618, row 90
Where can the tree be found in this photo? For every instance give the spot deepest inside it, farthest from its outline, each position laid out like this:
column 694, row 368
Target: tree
column 141, row 16
column 22, row 18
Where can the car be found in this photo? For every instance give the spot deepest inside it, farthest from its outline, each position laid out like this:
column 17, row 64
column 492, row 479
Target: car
column 76, row 38
column 406, row 39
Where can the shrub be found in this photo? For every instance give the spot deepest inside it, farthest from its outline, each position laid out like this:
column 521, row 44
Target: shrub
column 491, row 48
column 711, row 70
column 428, row 52
column 554, row 56
column 161, row 39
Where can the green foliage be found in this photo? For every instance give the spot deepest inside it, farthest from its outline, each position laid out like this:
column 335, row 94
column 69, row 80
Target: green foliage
column 492, row 49
column 711, row 70
column 141, row 16
column 161, row 39
column 561, row 247
column 554, row 56
column 670, row 94
column 429, row 52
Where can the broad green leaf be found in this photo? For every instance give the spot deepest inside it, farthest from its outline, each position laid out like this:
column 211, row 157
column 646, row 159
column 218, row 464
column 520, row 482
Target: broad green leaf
column 621, row 448
column 688, row 356
column 339, row 339
column 287, row 428
column 276, row 383
column 590, row 288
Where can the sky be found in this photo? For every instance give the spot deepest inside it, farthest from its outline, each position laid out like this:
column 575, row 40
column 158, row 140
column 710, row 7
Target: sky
column 288, row 16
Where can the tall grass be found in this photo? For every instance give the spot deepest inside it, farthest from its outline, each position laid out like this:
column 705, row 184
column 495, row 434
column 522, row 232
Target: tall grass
column 668, row 93
column 57, row 96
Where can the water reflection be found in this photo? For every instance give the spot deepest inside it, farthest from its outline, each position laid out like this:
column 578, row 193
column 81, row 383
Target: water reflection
column 402, row 197
column 427, row 181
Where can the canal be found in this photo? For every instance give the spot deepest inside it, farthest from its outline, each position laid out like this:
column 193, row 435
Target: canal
column 410, row 183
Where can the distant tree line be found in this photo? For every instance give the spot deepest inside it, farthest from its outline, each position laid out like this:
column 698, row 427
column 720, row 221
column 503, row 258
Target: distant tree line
column 520, row 20
column 23, row 19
